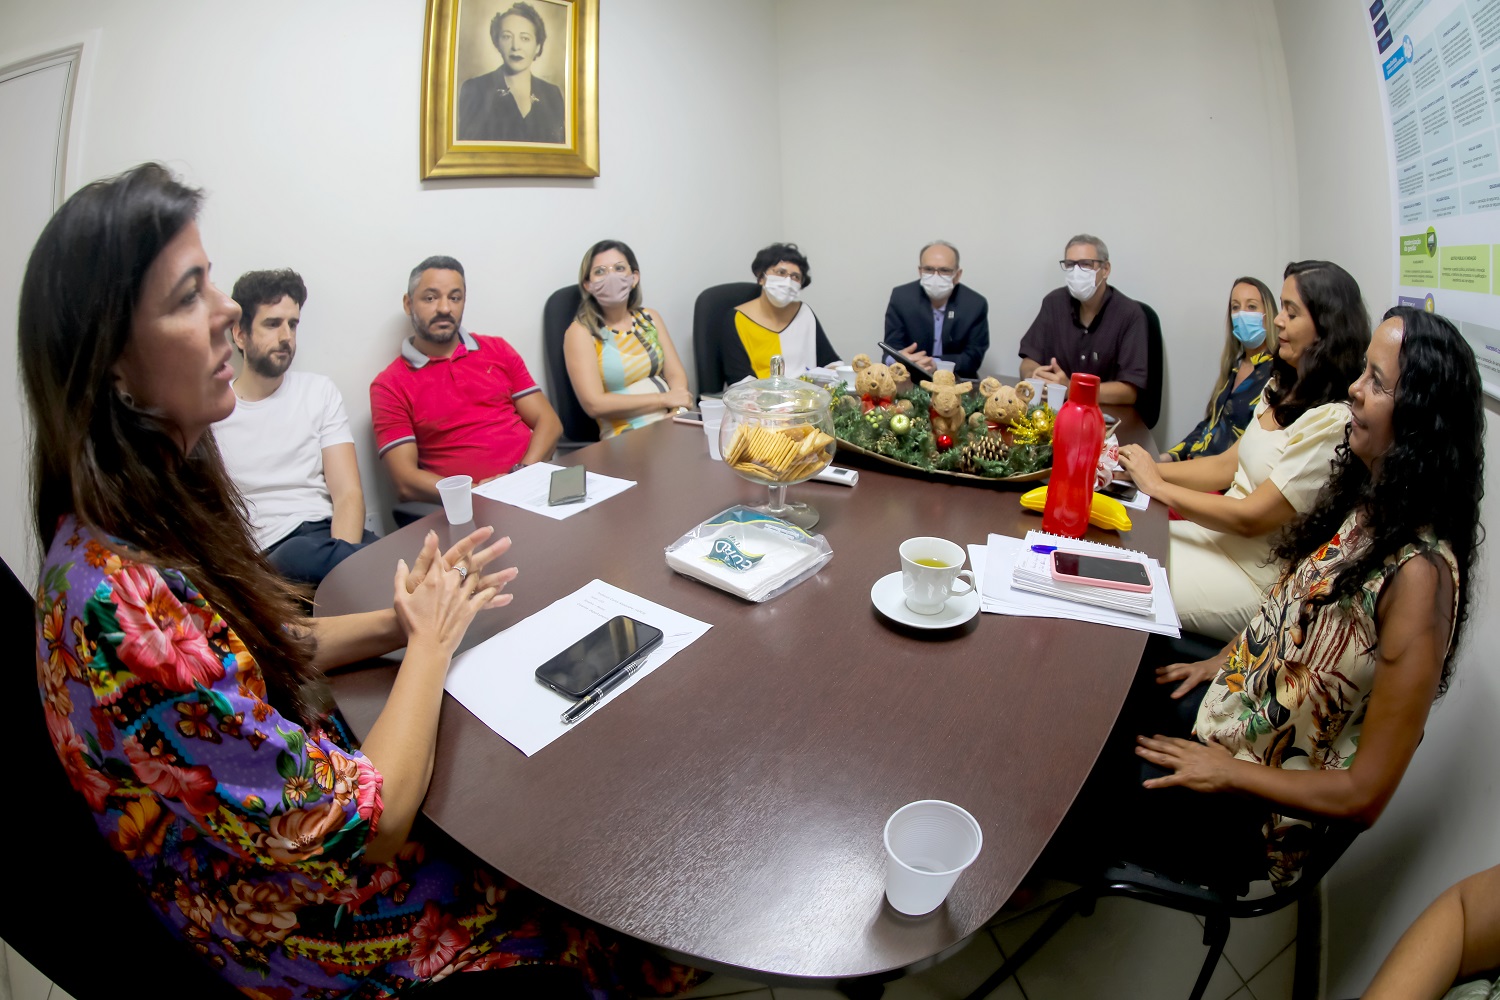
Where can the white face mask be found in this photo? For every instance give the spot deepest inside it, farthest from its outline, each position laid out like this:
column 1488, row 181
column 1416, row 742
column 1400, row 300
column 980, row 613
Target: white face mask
column 937, row 286
column 782, row 291
column 1081, row 283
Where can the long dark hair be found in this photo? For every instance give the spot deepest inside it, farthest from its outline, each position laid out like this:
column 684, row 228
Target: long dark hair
column 1336, row 357
column 118, row 468
column 1431, row 477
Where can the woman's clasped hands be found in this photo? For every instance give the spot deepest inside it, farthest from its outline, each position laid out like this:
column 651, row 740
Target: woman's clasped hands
column 440, row 593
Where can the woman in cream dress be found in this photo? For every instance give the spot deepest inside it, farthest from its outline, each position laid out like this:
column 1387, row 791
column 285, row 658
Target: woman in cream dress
column 1220, row 565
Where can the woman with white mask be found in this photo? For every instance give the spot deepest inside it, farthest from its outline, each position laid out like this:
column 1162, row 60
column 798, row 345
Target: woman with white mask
column 777, row 321
column 1244, row 368
column 620, row 359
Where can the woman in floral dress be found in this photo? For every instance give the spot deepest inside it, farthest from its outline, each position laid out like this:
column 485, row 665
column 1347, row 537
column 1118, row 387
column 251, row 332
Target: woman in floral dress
column 181, row 686
column 1315, row 709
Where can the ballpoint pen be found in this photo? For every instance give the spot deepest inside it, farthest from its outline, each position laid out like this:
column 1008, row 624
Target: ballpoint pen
column 580, row 708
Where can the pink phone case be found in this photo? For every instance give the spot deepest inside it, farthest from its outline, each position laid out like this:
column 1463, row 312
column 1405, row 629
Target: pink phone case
column 1093, row 581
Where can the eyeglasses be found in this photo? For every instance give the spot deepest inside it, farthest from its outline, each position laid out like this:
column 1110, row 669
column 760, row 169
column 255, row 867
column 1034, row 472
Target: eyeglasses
column 782, row 272
column 1088, row 264
column 928, row 272
column 601, row 270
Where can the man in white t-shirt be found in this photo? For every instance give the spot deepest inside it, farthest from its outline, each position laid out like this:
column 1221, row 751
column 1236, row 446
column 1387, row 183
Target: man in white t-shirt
column 287, row 444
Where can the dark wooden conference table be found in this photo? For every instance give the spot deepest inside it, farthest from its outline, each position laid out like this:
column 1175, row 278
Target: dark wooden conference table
column 729, row 808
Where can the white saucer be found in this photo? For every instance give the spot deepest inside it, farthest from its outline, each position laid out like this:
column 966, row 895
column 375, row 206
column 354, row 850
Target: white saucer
column 890, row 600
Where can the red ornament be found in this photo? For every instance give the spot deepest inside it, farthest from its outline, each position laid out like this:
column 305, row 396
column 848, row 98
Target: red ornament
column 944, row 442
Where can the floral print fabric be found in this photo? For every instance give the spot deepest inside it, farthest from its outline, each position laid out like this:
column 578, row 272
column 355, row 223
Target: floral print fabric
column 1294, row 690
column 247, row 829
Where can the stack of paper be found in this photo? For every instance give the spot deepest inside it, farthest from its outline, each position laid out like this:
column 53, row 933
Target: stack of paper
column 1033, row 572
column 994, row 569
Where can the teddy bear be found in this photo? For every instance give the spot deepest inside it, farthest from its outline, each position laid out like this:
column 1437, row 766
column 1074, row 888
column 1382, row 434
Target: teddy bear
column 1003, row 404
column 947, row 409
column 875, row 384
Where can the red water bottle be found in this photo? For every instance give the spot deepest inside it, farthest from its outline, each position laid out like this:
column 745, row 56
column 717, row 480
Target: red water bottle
column 1077, row 439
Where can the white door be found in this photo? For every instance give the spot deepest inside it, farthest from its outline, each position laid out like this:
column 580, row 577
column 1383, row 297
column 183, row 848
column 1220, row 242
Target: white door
column 35, row 102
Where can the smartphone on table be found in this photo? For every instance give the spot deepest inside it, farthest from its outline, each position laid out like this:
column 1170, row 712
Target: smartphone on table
column 1100, row 571
column 1121, row 491
column 568, row 486
column 596, row 657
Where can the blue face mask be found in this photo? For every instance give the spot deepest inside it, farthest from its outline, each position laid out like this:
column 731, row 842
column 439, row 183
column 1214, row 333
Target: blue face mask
column 1249, row 328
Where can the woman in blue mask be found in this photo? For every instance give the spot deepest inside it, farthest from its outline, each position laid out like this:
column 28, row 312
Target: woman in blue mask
column 1243, row 370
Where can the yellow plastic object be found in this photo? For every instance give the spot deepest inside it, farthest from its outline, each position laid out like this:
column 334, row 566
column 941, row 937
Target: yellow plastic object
column 1104, row 512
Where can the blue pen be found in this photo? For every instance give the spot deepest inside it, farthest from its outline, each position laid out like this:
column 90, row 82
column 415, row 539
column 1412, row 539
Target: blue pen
column 1044, row 549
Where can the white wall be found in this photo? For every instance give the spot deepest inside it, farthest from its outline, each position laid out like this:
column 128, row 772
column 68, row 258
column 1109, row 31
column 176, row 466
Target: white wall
column 1006, row 126
column 300, row 120
column 1441, row 824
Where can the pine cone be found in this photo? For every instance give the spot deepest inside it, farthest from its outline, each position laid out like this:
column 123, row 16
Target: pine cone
column 987, row 449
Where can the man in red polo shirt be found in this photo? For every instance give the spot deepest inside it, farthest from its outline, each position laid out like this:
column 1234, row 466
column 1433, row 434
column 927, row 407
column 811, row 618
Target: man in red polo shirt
column 454, row 403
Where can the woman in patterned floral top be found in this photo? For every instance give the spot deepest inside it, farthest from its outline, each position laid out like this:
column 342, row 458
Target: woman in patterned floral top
column 1314, row 709
column 181, row 686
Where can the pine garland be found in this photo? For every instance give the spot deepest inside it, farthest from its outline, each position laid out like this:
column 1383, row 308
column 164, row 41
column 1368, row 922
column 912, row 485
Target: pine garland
column 918, row 447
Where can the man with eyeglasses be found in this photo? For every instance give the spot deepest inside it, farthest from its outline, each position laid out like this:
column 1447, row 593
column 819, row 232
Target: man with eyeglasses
column 1088, row 327
column 941, row 320
column 454, row 403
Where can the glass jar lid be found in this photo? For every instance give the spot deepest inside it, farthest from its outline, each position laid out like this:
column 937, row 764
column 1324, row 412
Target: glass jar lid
column 778, row 394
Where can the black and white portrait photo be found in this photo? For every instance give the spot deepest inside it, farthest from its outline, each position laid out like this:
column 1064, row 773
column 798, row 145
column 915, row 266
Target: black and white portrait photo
column 512, row 61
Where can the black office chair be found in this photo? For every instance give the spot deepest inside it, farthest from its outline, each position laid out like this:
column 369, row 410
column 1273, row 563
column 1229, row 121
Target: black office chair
column 1217, row 906
column 1148, row 403
column 713, row 324
column 579, row 428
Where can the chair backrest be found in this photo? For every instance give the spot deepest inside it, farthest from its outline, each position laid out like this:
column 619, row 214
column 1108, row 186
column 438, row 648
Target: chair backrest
column 1148, row 403
column 557, row 314
column 83, row 875
column 711, row 323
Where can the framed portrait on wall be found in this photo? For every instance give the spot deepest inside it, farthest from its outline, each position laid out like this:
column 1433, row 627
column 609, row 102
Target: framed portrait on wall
column 510, row 88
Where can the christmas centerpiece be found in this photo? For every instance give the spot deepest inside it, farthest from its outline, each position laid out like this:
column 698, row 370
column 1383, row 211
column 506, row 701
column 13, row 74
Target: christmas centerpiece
column 943, row 426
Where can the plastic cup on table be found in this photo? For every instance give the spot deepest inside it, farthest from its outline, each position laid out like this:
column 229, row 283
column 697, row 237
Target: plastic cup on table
column 458, row 498
column 928, row 844
column 713, row 419
column 1057, row 395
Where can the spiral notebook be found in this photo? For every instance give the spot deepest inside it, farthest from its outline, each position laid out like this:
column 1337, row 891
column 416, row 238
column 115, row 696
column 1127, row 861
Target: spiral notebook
column 1001, row 596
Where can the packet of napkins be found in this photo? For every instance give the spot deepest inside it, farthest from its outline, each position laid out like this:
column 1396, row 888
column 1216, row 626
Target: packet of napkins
column 748, row 553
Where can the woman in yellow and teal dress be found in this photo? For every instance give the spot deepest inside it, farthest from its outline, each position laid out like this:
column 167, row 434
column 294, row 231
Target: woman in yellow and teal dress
column 1244, row 370
column 620, row 358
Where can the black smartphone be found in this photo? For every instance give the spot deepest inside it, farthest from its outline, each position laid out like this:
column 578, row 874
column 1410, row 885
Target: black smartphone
column 591, row 660
column 905, row 359
column 1121, row 491
column 568, row 486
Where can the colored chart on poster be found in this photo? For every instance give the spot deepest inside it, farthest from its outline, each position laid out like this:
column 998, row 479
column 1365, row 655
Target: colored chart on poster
column 1439, row 72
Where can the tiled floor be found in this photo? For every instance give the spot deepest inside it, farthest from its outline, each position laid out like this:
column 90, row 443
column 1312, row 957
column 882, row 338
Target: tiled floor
column 1126, row 949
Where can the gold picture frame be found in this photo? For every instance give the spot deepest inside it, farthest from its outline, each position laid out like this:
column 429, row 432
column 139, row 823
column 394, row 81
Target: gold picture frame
column 471, row 123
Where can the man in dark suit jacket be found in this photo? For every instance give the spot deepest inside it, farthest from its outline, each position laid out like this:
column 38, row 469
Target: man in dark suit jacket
column 936, row 317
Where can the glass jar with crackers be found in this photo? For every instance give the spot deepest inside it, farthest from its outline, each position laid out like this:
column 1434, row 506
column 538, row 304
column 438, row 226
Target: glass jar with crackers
column 778, row 431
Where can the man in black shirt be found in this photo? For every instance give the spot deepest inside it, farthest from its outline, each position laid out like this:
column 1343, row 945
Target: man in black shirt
column 1089, row 327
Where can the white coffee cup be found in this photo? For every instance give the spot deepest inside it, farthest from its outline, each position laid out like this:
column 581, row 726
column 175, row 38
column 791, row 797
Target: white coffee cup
column 929, row 567
column 928, row 844
column 846, row 376
column 458, row 498
column 713, row 419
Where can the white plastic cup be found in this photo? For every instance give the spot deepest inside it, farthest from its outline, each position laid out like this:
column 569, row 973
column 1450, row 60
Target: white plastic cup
column 929, row 569
column 713, row 419
column 928, row 844
column 458, row 498
column 1056, row 396
column 846, row 376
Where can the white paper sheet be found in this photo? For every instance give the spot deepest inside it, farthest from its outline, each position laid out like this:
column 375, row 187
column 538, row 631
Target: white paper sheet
column 997, row 596
column 527, row 488
column 496, row 680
